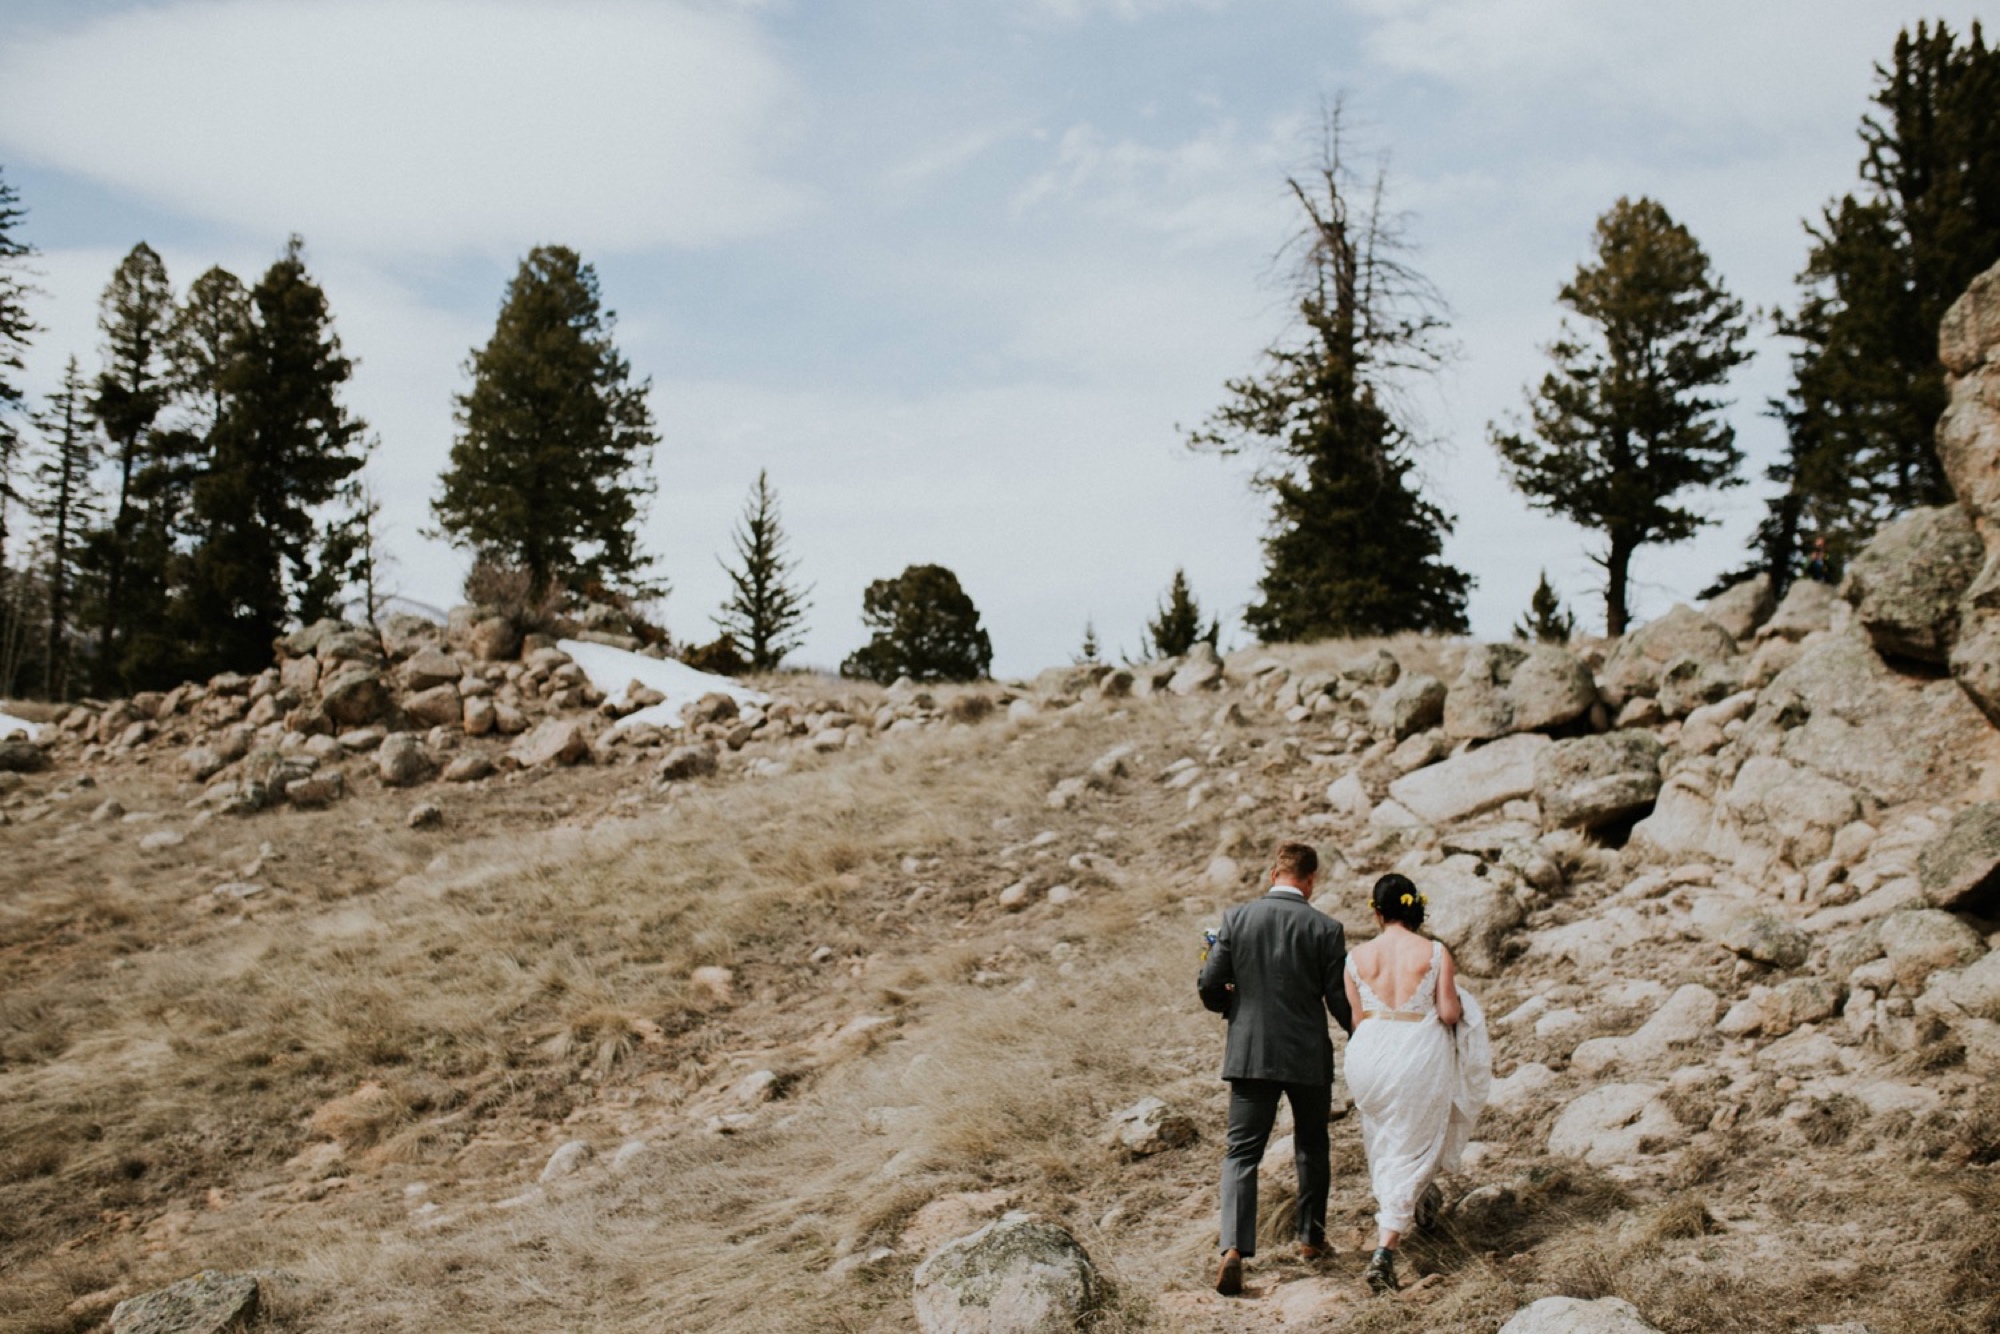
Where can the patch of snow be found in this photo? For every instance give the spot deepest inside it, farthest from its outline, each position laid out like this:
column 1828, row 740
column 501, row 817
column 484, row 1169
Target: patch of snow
column 613, row 670
column 12, row 726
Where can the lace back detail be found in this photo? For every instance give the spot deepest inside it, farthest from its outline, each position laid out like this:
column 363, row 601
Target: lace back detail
column 1422, row 1001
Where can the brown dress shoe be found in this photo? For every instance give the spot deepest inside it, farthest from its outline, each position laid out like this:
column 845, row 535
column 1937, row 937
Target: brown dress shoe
column 1229, row 1275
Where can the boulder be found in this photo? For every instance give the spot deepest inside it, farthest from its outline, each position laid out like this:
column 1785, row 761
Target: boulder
column 470, row 767
column 1202, row 670
column 431, row 667
column 1377, row 668
column 493, row 639
column 684, row 762
column 299, row 674
column 1688, row 684
column 1634, row 667
column 557, row 741
column 1780, row 806
column 1905, row 586
column 1592, row 781
column 1685, row 1019
column 1960, row 868
column 316, row 791
column 479, row 716
column 1473, row 782
column 1807, row 609
column 1977, row 989
column 401, row 761
column 1742, row 607
column 18, row 756
column 1506, row 688
column 1923, row 941
column 1614, row 1124
column 1968, row 435
column 1147, row 1127
column 1975, row 650
column 201, row 762
column 1413, row 704
column 355, row 695
column 1573, row 1315
column 1840, row 710
column 1776, row 1011
column 1016, row 1275
column 1762, row 938
column 1472, row 907
column 305, row 641
column 714, row 707
column 208, row 1303
column 439, row 706
column 1683, row 818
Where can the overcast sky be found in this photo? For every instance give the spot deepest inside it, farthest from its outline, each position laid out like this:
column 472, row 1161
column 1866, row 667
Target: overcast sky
column 956, row 274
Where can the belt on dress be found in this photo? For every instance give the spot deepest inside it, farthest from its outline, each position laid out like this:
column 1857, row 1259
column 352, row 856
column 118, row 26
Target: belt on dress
column 1397, row 1015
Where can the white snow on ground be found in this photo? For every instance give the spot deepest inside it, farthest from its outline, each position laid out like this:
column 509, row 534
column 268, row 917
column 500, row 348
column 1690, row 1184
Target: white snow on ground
column 613, row 669
column 10, row 726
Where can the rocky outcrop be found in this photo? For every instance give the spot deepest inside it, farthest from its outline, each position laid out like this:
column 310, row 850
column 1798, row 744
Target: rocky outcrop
column 1636, row 665
column 1506, row 688
column 1014, row 1276
column 1475, row 781
column 1906, row 585
column 1742, row 608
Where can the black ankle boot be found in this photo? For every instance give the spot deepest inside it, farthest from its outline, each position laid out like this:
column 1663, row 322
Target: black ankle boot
column 1381, row 1272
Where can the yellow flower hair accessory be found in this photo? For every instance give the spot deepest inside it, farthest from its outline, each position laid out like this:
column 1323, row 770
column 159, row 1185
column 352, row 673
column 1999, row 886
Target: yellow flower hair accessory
column 1407, row 900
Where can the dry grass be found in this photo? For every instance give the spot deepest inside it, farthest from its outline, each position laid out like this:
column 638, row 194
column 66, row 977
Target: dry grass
column 351, row 1083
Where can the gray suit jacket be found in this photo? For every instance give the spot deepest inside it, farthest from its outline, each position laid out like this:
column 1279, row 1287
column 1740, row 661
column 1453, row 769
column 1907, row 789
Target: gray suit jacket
column 1285, row 958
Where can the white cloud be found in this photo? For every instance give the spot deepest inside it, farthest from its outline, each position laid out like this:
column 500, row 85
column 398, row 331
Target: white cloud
column 419, row 125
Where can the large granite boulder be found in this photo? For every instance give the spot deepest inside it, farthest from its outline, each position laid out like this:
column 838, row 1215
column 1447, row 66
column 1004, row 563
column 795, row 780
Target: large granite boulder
column 1792, row 811
column 429, row 668
column 1842, row 711
column 355, row 695
column 438, row 706
column 1968, row 435
column 1592, row 781
column 1743, row 607
column 1413, row 704
column 1016, row 1275
column 1807, row 608
column 1473, row 907
column 1923, row 941
column 1905, row 586
column 1960, row 868
column 1468, row 784
column 560, row 741
column 1634, row 667
column 1506, row 688
column 402, row 761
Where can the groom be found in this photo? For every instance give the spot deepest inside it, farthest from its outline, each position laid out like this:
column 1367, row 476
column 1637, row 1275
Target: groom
column 1275, row 971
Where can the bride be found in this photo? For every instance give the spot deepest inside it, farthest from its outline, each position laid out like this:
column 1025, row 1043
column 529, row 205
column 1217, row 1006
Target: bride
column 1418, row 1065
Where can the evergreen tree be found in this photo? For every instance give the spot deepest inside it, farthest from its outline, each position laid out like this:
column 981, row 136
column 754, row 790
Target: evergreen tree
column 765, row 608
column 1353, row 548
column 926, row 628
column 202, row 340
column 1091, row 652
column 65, row 505
column 1884, row 265
column 1547, row 619
column 1176, row 625
column 16, row 330
column 1625, row 423
column 283, row 447
column 133, row 315
column 555, row 439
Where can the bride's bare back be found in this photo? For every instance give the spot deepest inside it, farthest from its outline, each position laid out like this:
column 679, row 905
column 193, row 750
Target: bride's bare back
column 1393, row 965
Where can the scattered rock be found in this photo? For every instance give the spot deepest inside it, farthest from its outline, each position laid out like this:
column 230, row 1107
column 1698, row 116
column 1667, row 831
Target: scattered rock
column 1762, row 938
column 1685, row 1019
column 425, row 815
column 430, row 668
column 1592, row 781
column 316, row 791
column 1960, row 868
column 1201, row 671
column 1014, row 1276
column 1573, row 1315
column 1472, row 908
column 557, row 741
column 208, row 1303
column 1149, row 1127
column 1742, row 607
column 470, row 767
column 1614, row 1124
column 685, row 762
column 1921, row 942
column 440, row 706
column 1634, row 667
column 355, row 696
column 21, row 757
column 566, row 1160
column 493, row 639
column 1413, row 704
column 402, row 761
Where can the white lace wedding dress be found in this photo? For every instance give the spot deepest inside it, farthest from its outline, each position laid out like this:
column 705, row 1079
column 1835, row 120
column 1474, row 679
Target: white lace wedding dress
column 1419, row 1086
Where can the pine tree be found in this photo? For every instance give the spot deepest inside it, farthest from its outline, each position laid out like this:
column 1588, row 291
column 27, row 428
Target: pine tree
column 1547, row 620
column 552, row 460
column 283, row 447
column 1091, row 651
column 1884, row 265
column 926, row 628
column 765, row 607
column 1353, row 547
column 133, row 315
column 16, row 330
column 1625, row 423
column 65, row 505
column 202, row 340
column 1176, row 625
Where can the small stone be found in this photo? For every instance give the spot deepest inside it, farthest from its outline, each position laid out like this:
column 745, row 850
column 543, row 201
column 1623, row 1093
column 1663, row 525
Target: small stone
column 237, row 889
column 714, row 981
column 1015, row 896
column 160, row 840
column 1149, row 1127
column 208, row 1303
column 566, row 1160
column 468, row 768
column 425, row 815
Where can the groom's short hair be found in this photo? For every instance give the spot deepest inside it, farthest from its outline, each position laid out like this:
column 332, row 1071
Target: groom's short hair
column 1294, row 861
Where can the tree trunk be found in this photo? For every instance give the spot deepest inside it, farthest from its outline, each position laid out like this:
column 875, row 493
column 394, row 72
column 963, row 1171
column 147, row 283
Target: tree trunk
column 1616, row 565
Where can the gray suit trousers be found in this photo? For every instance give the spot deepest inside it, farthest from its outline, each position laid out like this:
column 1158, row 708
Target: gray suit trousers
column 1253, row 1108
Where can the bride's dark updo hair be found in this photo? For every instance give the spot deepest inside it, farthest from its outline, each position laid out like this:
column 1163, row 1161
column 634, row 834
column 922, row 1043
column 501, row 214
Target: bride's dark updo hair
column 1397, row 900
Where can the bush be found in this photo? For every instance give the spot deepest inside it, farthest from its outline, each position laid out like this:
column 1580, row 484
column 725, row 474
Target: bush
column 926, row 628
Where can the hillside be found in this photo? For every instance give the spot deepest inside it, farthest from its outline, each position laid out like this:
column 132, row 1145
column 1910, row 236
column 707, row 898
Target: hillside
column 531, row 1020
